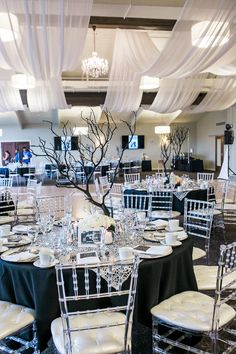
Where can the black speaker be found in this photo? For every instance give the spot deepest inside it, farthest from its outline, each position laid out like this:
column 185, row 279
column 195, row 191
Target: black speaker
column 228, row 137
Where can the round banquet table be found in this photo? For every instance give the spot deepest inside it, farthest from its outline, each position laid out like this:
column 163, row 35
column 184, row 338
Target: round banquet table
column 160, row 278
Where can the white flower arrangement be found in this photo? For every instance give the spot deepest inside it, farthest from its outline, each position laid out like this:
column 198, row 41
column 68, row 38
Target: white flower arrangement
column 95, row 221
column 175, row 179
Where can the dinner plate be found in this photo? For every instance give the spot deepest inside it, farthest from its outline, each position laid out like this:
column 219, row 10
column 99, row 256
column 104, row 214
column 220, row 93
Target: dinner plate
column 19, row 255
column 3, row 249
column 10, row 234
column 39, row 265
column 160, row 224
column 154, row 251
column 154, row 236
column 182, row 235
column 23, row 241
column 178, row 229
column 175, row 244
column 21, row 228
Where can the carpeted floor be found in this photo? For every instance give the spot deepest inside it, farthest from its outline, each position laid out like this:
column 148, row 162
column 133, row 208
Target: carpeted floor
column 142, row 343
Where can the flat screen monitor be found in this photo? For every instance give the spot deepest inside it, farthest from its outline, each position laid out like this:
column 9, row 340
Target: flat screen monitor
column 62, row 143
column 133, row 143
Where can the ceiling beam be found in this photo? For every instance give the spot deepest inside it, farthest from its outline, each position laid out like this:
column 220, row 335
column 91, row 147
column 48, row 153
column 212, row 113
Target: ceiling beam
column 132, row 23
column 92, row 99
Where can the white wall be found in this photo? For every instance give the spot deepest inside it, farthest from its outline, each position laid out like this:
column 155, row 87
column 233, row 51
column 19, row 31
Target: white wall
column 152, row 141
column 206, row 130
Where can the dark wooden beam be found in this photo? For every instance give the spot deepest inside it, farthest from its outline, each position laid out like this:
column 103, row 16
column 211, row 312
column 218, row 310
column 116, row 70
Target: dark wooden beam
column 133, row 23
column 92, row 99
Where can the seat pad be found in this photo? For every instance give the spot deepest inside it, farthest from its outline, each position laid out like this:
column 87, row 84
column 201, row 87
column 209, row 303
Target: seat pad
column 191, row 310
column 6, row 219
column 198, row 253
column 92, row 341
column 206, row 277
column 164, row 214
column 13, row 318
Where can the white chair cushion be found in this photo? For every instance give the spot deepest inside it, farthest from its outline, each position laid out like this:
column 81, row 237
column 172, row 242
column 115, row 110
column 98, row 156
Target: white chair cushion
column 217, row 212
column 92, row 341
column 164, row 214
column 6, row 219
column 191, row 310
column 25, row 211
column 13, row 318
column 230, row 207
column 206, row 277
column 198, row 253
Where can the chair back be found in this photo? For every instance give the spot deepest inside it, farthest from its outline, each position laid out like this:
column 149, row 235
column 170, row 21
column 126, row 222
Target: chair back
column 137, row 202
column 97, row 189
column 116, row 190
column 54, row 204
column 96, row 284
column 198, row 217
column 131, row 177
column 162, row 200
column 226, row 281
column 103, row 180
column 8, row 207
column 203, row 176
column 6, row 182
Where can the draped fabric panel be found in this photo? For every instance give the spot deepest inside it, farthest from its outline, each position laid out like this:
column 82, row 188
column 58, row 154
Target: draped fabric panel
column 10, row 99
column 131, row 55
column 48, row 39
column 190, row 50
column 175, row 94
column 221, row 96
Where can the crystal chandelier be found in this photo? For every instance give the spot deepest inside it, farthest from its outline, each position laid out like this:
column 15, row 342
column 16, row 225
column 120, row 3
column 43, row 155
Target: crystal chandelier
column 94, row 66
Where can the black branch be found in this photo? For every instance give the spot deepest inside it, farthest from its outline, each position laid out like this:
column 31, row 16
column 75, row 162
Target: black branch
column 92, row 148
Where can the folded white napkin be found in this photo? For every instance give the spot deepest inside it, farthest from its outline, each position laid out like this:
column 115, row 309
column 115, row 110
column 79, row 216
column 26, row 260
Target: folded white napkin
column 87, row 258
column 21, row 256
column 153, row 250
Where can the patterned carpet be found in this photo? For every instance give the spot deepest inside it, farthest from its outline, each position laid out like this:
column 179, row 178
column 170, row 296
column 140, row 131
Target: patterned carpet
column 142, row 343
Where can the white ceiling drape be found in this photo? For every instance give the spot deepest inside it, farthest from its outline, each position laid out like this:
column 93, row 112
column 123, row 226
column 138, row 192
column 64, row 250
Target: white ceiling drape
column 175, row 94
column 131, row 55
column 189, row 51
column 221, row 96
column 49, row 39
column 10, row 99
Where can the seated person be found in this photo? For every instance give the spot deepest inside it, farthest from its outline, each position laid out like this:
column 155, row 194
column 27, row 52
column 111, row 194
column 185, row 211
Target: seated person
column 6, row 158
column 26, row 155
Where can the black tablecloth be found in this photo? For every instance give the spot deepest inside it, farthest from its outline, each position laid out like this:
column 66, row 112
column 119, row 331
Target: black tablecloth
column 36, row 288
column 22, row 170
column 194, row 165
column 178, row 205
column 4, row 171
column 146, row 165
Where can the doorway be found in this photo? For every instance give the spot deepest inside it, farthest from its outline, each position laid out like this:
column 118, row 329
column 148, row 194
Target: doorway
column 11, row 146
column 219, row 152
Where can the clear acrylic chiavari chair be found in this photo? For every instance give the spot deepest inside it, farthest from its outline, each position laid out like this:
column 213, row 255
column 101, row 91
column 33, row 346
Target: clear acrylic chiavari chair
column 198, row 217
column 103, row 325
column 193, row 313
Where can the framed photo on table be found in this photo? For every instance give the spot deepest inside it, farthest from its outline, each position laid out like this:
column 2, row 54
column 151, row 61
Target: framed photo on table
column 89, row 238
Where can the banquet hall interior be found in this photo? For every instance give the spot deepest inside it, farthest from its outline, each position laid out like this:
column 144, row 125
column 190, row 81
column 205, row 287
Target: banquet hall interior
column 117, row 176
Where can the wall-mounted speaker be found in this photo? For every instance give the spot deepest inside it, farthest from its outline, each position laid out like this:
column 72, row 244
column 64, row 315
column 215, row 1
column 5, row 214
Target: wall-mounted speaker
column 229, row 137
